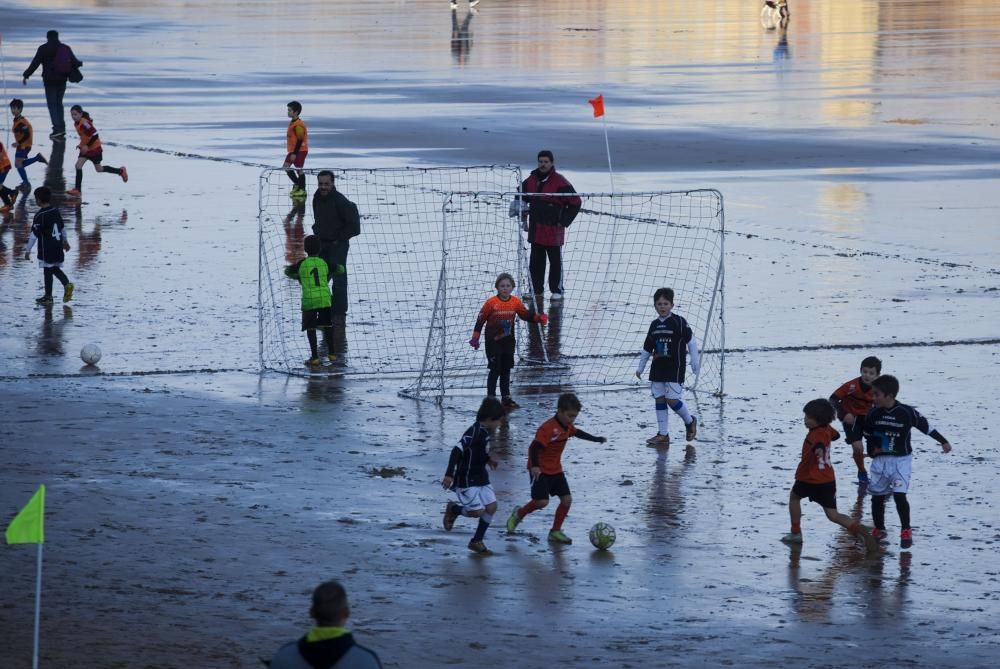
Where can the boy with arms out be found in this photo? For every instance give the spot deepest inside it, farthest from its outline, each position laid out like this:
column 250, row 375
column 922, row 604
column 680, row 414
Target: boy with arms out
column 313, row 275
column 887, row 435
column 852, row 402
column 23, row 139
column 669, row 342
column 49, row 231
column 815, row 479
column 545, row 466
column 297, row 141
column 468, row 477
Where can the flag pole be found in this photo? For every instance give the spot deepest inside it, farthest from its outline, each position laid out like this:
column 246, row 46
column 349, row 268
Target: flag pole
column 607, row 147
column 38, row 608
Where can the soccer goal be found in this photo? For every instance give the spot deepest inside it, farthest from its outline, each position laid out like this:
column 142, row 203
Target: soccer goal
column 392, row 267
column 618, row 251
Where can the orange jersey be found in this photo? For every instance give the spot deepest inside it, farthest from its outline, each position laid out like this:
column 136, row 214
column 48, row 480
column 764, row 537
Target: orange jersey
column 854, row 399
column 816, row 466
column 90, row 141
column 296, row 131
column 4, row 159
column 498, row 316
column 24, row 135
column 552, row 435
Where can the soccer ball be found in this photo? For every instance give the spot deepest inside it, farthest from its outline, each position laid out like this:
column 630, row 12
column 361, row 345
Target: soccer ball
column 90, row 354
column 602, row 536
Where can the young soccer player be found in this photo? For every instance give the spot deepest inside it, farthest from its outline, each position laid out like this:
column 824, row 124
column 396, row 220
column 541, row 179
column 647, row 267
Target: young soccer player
column 545, row 466
column 313, row 275
column 90, row 149
column 49, row 231
column 468, row 477
column 498, row 314
column 297, row 139
column 815, row 479
column 852, row 402
column 8, row 195
column 670, row 343
column 23, row 139
column 887, row 435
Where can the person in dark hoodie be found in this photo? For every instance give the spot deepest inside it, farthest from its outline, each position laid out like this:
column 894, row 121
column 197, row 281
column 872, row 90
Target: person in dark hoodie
column 336, row 221
column 328, row 645
column 57, row 61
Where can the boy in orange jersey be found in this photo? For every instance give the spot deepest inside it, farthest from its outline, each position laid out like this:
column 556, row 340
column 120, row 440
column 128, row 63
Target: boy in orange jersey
column 498, row 314
column 852, row 402
column 90, row 149
column 815, row 478
column 297, row 139
column 23, row 139
column 545, row 466
column 8, row 195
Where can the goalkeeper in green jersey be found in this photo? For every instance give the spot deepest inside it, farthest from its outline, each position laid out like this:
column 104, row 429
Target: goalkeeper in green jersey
column 313, row 275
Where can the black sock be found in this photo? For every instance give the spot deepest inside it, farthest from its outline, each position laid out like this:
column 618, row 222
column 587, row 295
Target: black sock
column 878, row 511
column 311, row 336
column 113, row 170
column 902, row 508
column 58, row 273
column 79, row 179
column 293, row 176
column 331, row 348
column 481, row 530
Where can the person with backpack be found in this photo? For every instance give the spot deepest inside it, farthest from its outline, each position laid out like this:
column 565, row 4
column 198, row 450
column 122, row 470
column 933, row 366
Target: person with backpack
column 336, row 221
column 59, row 65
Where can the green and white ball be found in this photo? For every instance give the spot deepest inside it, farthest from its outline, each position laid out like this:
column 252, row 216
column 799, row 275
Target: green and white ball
column 602, row 536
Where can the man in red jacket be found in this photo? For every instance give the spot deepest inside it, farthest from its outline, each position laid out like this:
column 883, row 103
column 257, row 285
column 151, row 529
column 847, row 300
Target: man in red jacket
column 547, row 217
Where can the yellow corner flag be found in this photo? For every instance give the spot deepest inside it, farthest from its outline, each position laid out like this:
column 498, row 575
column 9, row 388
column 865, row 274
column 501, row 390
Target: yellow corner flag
column 28, row 526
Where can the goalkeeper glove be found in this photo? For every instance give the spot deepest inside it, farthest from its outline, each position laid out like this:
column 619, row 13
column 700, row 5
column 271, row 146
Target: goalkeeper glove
column 542, row 318
column 474, row 342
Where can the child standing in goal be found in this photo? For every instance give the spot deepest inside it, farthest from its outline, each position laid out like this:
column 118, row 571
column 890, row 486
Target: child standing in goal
column 468, row 477
column 853, row 401
column 90, row 149
column 887, row 434
column 317, row 313
column 497, row 315
column 669, row 342
column 545, row 465
column 815, row 479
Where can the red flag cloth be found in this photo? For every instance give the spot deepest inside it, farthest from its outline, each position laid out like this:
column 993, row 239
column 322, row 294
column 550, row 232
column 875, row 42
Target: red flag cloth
column 598, row 105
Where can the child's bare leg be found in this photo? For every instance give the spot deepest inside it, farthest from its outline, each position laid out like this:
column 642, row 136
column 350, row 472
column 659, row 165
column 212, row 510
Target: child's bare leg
column 564, row 503
column 795, row 513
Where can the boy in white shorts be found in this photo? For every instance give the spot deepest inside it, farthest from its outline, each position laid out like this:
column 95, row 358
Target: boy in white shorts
column 468, row 477
column 669, row 342
column 887, row 436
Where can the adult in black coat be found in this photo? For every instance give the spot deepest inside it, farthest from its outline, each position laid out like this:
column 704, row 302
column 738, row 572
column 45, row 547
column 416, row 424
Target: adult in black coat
column 57, row 61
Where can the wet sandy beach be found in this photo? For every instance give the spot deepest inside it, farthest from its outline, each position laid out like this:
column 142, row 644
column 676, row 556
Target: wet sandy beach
column 193, row 504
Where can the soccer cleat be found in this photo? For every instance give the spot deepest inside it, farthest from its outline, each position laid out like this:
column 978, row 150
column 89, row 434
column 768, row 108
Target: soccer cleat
column 479, row 547
column 44, row 299
column 68, row 292
column 513, row 521
column 124, row 174
column 74, row 192
column 692, row 429
column 449, row 516
column 862, row 478
column 313, row 362
column 556, row 295
column 509, row 403
column 906, row 538
column 559, row 537
column 880, row 536
column 332, row 358
column 792, row 538
column 659, row 441
column 41, row 159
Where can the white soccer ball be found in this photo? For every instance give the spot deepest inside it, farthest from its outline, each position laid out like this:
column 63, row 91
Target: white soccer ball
column 90, row 354
column 602, row 536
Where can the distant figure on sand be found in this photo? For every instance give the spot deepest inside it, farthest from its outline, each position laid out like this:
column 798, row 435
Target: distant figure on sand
column 49, row 231
column 297, row 143
column 472, row 3
column 90, row 149
column 58, row 63
column 24, row 137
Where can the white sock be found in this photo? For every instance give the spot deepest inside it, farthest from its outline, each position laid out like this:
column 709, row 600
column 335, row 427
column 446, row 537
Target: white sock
column 663, row 420
column 682, row 411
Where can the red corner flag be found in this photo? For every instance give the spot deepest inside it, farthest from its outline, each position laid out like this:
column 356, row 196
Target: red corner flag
column 598, row 105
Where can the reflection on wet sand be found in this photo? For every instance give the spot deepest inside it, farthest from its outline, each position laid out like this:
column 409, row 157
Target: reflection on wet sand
column 461, row 37
column 294, row 232
column 50, row 339
column 665, row 503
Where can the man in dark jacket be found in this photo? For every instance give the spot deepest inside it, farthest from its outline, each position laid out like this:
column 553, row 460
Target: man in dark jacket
column 548, row 216
column 336, row 220
column 57, row 61
column 328, row 645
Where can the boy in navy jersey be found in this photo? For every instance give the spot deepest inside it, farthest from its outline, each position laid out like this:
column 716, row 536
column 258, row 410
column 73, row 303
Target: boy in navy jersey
column 468, row 477
column 887, row 435
column 669, row 342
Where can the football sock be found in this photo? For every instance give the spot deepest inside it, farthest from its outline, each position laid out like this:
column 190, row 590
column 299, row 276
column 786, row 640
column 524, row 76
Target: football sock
column 662, row 417
column 331, row 348
column 484, row 524
column 561, row 512
column 113, row 170
column 681, row 410
column 878, row 511
column 491, row 383
column 79, row 179
column 301, row 182
column 63, row 279
column 311, row 336
column 902, row 508
column 24, row 175
column 528, row 508
column 859, row 460
column 293, row 176
column 505, row 382
column 796, row 529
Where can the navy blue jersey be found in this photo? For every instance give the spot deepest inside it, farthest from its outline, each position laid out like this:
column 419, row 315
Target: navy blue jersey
column 887, row 431
column 47, row 228
column 469, row 461
column 668, row 338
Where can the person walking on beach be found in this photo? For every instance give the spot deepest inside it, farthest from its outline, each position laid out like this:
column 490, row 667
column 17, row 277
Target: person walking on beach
column 547, row 217
column 57, row 61
column 336, row 221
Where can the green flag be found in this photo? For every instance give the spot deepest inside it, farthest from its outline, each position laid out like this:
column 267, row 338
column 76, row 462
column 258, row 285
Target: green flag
column 28, row 526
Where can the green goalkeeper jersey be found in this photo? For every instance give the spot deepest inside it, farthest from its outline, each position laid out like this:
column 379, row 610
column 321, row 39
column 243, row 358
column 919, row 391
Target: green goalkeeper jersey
column 314, row 277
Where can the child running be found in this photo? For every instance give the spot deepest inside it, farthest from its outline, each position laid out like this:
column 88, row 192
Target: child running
column 545, row 466
column 468, row 477
column 90, row 149
column 815, row 479
column 24, row 137
column 670, row 342
column 852, row 402
column 49, row 231
column 887, row 435
column 313, row 275
column 498, row 314
column 8, row 195
column 297, row 140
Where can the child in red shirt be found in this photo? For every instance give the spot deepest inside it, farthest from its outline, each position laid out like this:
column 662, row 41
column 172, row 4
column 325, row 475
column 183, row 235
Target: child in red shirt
column 815, row 479
column 545, row 466
column 90, row 149
column 852, row 401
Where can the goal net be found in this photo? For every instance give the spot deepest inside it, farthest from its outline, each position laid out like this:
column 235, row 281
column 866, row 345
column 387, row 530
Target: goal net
column 618, row 251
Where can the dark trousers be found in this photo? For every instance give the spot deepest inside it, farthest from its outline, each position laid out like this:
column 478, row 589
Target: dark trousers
column 48, row 273
column 54, row 99
column 334, row 254
column 536, row 266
